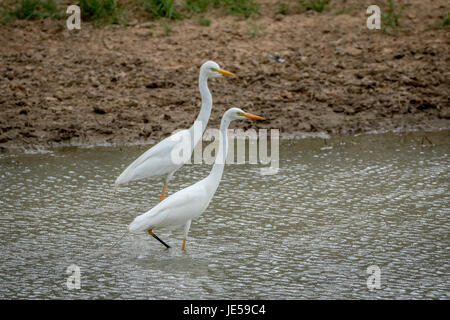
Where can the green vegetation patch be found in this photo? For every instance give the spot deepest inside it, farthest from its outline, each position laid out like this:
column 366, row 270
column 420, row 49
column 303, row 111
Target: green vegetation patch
column 162, row 8
column 197, row 6
column 245, row 8
column 315, row 5
column 103, row 11
column 29, row 9
column 390, row 17
column 445, row 21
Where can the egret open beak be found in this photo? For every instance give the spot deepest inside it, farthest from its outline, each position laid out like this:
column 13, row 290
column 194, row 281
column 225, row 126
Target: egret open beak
column 252, row 116
column 227, row 73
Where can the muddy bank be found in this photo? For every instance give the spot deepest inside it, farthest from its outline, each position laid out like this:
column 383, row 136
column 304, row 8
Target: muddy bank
column 117, row 85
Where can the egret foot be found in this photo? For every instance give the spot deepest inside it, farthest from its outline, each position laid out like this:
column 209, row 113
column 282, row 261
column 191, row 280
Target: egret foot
column 184, row 244
column 150, row 232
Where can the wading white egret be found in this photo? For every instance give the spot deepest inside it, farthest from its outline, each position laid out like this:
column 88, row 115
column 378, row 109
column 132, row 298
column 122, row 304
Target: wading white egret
column 181, row 207
column 158, row 161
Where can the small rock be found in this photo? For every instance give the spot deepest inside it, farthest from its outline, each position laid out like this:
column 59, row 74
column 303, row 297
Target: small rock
column 131, row 103
column 99, row 110
column 276, row 57
column 426, row 105
column 353, row 51
column 147, row 25
column 152, row 85
column 444, row 113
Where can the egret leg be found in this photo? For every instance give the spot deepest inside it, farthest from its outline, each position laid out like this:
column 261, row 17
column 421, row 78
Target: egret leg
column 186, row 230
column 161, row 198
column 150, row 232
column 163, row 193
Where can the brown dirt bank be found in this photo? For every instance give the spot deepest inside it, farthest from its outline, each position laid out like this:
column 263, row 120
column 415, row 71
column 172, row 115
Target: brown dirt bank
column 127, row 85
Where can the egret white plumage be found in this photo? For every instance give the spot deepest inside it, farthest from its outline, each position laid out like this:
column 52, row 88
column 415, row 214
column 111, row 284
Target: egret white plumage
column 158, row 160
column 181, row 207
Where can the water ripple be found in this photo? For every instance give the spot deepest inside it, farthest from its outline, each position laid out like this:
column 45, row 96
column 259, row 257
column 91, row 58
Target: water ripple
column 308, row 232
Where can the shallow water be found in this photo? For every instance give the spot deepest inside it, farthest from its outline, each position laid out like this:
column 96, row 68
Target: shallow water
column 310, row 231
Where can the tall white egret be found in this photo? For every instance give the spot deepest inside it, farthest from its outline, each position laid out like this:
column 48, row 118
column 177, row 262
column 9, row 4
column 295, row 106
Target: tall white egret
column 158, row 160
column 181, row 207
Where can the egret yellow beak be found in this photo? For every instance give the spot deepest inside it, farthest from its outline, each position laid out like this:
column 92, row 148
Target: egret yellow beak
column 252, row 116
column 227, row 73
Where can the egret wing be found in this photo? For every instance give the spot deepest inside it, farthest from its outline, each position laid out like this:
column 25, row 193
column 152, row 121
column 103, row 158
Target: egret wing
column 175, row 210
column 155, row 161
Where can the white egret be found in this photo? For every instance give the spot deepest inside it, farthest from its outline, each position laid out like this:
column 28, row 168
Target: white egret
column 158, row 160
column 181, row 207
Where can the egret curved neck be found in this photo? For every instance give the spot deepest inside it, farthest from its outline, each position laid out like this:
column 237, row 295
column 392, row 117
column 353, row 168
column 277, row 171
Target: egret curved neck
column 219, row 164
column 205, row 110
